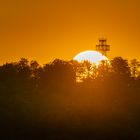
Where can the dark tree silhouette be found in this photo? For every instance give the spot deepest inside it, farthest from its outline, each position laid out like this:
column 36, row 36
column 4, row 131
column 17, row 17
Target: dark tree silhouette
column 134, row 64
column 120, row 66
column 58, row 74
column 48, row 102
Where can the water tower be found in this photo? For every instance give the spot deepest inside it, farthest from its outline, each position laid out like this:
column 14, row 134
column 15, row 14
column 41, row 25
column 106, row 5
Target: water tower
column 103, row 48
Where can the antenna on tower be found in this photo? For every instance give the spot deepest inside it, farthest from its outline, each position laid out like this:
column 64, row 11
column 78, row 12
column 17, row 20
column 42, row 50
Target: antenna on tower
column 103, row 48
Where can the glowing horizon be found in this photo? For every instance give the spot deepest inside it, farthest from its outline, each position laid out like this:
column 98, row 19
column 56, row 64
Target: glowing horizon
column 43, row 30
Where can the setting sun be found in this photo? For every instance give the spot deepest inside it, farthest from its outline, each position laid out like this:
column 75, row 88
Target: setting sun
column 70, row 69
column 91, row 56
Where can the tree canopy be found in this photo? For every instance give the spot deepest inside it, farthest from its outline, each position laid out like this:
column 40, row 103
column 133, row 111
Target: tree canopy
column 69, row 96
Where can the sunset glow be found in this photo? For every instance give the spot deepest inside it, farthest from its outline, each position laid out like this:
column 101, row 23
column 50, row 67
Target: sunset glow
column 47, row 29
column 70, row 69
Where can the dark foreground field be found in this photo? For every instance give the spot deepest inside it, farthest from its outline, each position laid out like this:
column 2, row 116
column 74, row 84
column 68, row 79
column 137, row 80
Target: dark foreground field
column 85, row 116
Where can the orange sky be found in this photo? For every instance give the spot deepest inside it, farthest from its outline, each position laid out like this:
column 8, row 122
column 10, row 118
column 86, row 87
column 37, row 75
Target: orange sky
column 48, row 29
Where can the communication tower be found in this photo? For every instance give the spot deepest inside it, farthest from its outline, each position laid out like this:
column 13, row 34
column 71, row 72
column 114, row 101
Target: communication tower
column 103, row 47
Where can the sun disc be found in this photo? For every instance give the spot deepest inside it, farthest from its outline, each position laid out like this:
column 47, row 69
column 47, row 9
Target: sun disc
column 91, row 56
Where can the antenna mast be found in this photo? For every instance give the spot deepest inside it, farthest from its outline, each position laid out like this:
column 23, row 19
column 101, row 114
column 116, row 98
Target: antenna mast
column 103, row 48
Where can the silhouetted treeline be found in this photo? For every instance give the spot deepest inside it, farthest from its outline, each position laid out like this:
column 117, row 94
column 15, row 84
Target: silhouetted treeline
column 68, row 100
